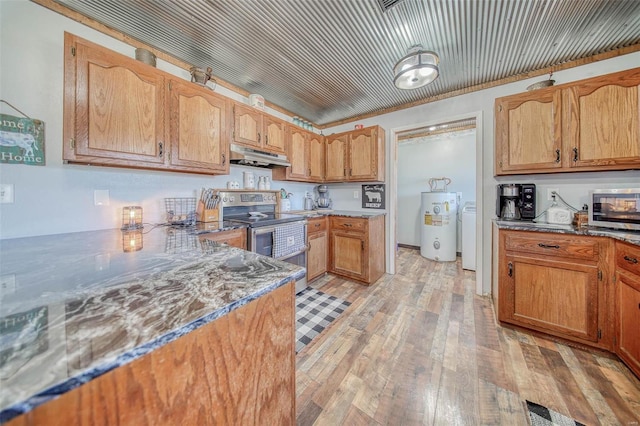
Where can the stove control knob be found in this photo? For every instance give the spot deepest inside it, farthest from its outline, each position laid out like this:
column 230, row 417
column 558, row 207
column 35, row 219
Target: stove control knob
column 224, row 199
column 232, row 199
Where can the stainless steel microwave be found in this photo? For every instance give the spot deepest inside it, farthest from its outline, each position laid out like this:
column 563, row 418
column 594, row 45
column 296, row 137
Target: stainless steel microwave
column 615, row 208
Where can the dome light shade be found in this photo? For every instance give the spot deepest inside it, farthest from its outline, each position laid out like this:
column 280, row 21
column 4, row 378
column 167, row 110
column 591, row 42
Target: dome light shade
column 416, row 69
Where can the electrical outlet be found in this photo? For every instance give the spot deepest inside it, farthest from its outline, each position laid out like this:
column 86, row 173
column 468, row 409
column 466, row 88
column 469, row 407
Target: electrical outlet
column 101, row 197
column 550, row 192
column 8, row 284
column 356, row 194
column 6, row 193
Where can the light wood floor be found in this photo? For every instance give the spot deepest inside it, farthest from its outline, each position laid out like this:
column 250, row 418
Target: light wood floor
column 421, row 348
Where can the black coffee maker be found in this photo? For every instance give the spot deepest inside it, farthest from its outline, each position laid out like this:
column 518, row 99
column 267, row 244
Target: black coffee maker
column 516, row 201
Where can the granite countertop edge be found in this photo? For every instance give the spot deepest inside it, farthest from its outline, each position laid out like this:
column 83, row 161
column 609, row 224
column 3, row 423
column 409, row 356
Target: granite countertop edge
column 632, row 237
column 130, row 355
column 347, row 213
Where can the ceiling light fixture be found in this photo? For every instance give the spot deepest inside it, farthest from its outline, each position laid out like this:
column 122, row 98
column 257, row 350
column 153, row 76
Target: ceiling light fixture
column 418, row 68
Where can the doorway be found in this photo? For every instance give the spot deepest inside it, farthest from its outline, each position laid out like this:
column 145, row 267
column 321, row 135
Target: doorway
column 437, row 136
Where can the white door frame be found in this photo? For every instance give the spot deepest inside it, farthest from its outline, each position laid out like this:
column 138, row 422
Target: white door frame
column 393, row 183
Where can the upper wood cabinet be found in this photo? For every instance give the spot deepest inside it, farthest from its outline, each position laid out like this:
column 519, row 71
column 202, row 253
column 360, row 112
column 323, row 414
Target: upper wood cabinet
column 356, row 156
column 197, row 128
column 114, row 108
column 529, row 132
column 121, row 112
column 258, row 130
column 602, row 122
column 589, row 125
column 305, row 152
column 336, row 157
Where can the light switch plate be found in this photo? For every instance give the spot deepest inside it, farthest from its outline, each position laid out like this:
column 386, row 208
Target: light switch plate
column 356, row 194
column 101, row 197
column 8, row 284
column 6, row 193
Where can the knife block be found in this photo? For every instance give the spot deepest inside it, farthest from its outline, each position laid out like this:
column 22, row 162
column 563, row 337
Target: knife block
column 207, row 215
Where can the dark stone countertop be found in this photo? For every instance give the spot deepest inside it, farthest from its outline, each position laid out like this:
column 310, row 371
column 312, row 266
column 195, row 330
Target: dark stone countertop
column 632, row 237
column 347, row 213
column 75, row 306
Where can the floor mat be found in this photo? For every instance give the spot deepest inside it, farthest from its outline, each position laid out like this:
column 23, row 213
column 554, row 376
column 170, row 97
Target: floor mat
column 315, row 310
column 542, row 416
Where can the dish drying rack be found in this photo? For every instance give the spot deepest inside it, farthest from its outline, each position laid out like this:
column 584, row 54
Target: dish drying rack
column 181, row 211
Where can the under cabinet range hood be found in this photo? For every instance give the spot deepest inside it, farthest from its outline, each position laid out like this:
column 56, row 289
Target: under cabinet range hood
column 253, row 157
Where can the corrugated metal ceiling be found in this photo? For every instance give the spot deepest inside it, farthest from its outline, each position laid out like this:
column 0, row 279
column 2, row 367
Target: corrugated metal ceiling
column 329, row 60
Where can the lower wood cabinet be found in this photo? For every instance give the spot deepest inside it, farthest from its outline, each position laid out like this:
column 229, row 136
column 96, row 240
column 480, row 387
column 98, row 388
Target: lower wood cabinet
column 356, row 247
column 318, row 241
column 557, row 284
column 628, row 305
column 238, row 369
column 233, row 237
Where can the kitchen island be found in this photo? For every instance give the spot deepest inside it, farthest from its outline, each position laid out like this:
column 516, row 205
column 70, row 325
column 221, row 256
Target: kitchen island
column 151, row 327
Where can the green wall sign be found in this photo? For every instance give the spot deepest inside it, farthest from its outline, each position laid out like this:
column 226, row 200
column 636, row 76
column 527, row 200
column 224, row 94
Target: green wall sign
column 21, row 140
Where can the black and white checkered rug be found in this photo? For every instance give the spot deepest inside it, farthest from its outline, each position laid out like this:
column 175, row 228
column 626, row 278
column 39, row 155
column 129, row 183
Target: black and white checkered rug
column 542, row 416
column 315, row 310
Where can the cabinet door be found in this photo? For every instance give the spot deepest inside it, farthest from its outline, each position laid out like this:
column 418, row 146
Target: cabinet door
column 628, row 321
column 529, row 132
column 554, row 296
column 602, row 122
column 247, row 126
column 274, row 131
column 316, row 158
column 347, row 254
column 114, row 107
column 317, row 255
column 298, row 154
column 235, row 238
column 335, row 164
column 362, row 157
column 197, row 128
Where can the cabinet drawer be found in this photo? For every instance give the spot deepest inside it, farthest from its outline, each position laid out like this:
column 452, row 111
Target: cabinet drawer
column 317, row 224
column 348, row 223
column 576, row 247
column 628, row 257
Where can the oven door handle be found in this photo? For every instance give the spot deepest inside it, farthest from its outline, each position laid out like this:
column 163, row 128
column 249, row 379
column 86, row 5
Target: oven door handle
column 304, row 250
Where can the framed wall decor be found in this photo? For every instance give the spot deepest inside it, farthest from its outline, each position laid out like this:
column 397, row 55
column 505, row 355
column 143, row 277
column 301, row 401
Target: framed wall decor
column 21, row 140
column 373, row 196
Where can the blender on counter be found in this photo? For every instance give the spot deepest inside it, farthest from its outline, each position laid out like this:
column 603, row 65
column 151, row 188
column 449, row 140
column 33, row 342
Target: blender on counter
column 323, row 201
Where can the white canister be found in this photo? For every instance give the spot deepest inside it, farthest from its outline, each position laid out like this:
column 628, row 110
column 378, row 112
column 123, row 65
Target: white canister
column 285, row 205
column 256, row 101
column 261, row 184
column 249, row 180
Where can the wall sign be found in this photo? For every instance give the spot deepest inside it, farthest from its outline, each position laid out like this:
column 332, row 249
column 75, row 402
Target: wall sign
column 373, row 196
column 21, row 141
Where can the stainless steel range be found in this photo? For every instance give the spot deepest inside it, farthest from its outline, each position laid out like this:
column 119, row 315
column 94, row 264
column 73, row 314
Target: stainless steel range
column 278, row 235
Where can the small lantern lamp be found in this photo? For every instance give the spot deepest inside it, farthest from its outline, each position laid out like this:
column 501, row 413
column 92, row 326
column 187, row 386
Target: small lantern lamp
column 131, row 241
column 131, row 218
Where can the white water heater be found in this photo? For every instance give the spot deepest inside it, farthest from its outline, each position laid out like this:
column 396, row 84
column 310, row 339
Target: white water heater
column 438, row 215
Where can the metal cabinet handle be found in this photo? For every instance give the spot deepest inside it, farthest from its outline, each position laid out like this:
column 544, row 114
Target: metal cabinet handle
column 259, row 136
column 317, row 225
column 224, row 159
column 348, row 224
column 631, row 259
column 575, row 155
column 266, row 140
column 160, row 149
column 548, row 246
column 557, row 155
column 510, row 266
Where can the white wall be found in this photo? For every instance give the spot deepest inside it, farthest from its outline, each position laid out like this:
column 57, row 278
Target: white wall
column 57, row 197
column 450, row 155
